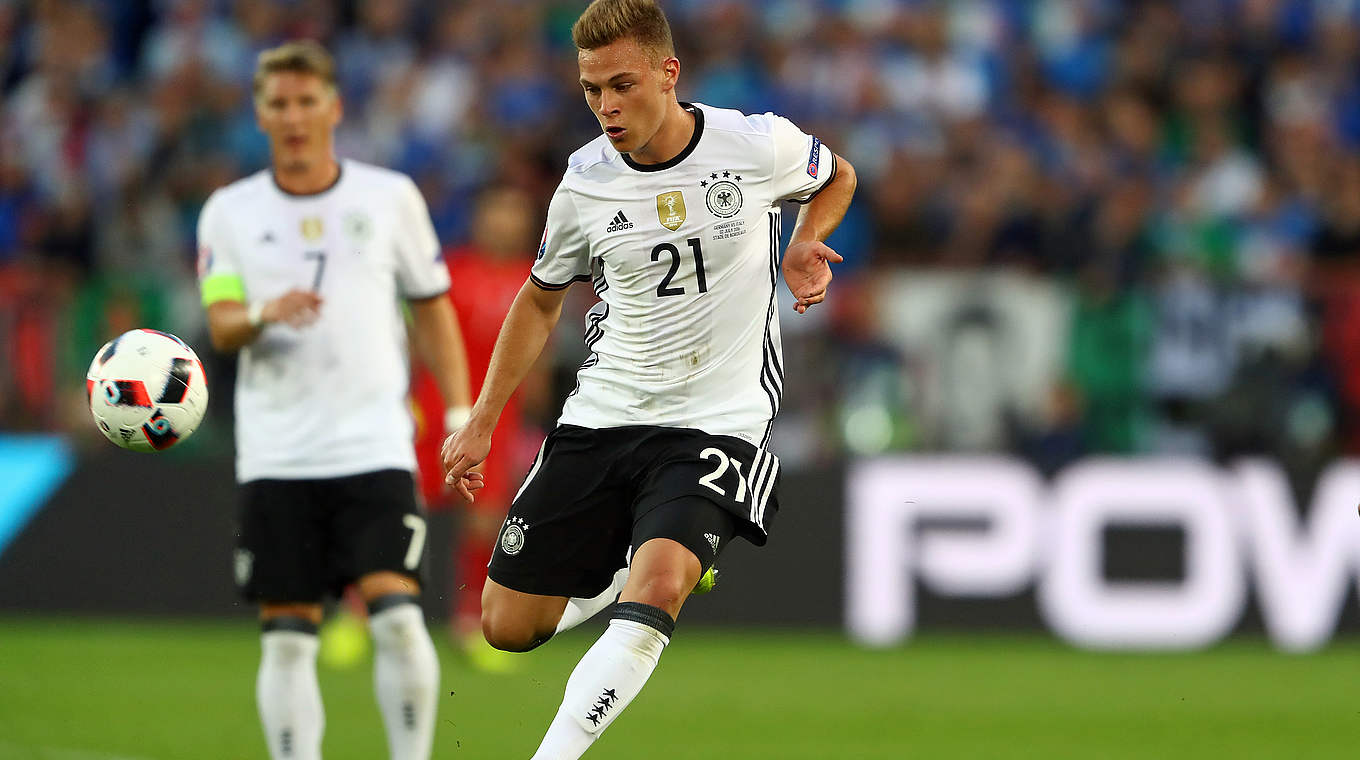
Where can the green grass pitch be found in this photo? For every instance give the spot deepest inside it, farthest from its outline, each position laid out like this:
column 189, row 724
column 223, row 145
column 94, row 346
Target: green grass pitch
column 104, row 690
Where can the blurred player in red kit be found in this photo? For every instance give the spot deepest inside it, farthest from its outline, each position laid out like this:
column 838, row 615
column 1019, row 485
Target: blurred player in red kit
column 487, row 272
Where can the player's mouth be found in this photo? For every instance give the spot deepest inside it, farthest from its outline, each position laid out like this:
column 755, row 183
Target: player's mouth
column 615, row 133
column 295, row 141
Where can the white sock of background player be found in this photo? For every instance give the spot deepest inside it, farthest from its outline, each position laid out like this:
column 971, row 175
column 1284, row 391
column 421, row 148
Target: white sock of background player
column 287, row 692
column 581, row 609
column 405, row 675
column 607, row 678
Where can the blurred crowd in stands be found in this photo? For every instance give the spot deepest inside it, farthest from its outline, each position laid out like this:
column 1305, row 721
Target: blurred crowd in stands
column 1083, row 226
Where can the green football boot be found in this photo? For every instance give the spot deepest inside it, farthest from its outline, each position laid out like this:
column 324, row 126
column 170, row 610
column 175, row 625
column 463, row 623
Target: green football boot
column 707, row 582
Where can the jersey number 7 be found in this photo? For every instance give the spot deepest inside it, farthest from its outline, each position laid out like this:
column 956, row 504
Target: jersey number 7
column 320, row 257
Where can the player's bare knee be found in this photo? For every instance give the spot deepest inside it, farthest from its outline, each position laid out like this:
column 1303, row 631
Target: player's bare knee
column 663, row 590
column 299, row 610
column 385, row 583
column 511, row 633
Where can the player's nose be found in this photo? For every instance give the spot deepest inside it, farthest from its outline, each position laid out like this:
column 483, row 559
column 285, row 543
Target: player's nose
column 608, row 106
column 292, row 114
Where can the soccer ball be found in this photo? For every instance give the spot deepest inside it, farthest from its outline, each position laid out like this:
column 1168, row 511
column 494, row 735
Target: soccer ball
column 147, row 390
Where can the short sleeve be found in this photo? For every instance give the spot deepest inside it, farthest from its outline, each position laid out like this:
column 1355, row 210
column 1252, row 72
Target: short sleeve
column 803, row 166
column 219, row 273
column 564, row 253
column 420, row 262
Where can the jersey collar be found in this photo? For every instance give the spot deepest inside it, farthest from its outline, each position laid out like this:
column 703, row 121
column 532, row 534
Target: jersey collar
column 338, row 176
column 682, row 155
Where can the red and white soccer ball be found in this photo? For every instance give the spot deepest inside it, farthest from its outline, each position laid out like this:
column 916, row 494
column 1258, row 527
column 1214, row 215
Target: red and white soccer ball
column 147, row 390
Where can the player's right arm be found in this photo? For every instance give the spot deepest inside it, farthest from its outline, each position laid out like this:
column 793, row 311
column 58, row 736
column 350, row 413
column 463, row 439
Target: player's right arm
column 524, row 333
column 563, row 258
column 233, row 321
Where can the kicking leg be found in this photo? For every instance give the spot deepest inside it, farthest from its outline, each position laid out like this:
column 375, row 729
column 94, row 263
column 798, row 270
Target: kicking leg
column 286, row 688
column 613, row 672
column 405, row 667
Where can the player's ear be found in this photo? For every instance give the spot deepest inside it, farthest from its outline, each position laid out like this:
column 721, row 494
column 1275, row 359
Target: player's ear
column 337, row 109
column 670, row 73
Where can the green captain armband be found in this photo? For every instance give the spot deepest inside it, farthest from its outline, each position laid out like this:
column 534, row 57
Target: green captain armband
column 222, row 287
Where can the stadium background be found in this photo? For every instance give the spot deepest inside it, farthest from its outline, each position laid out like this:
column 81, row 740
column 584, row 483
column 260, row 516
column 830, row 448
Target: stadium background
column 1084, row 229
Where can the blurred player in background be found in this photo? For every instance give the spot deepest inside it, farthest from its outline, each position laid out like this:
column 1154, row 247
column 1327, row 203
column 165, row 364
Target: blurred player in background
column 304, row 269
column 489, row 271
column 659, row 457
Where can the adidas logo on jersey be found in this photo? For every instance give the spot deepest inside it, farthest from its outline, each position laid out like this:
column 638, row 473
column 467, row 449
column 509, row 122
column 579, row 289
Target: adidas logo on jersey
column 619, row 222
column 713, row 540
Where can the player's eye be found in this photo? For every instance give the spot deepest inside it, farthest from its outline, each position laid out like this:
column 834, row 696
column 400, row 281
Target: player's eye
column 623, row 86
column 592, row 91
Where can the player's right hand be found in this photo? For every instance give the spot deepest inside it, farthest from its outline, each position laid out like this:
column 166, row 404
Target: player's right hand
column 296, row 308
column 462, row 451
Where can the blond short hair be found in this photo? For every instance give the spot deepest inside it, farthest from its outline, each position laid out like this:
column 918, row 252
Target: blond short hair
column 607, row 21
column 298, row 56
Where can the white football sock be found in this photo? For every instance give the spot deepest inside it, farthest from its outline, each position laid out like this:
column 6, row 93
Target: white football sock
column 288, row 695
column 581, row 609
column 606, row 679
column 405, row 677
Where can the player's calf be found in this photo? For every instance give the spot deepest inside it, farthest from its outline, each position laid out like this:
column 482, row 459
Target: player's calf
column 286, row 687
column 607, row 679
column 406, row 674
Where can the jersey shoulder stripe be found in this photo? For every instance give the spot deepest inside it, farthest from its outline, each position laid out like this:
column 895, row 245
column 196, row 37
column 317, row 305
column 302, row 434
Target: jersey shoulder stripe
column 545, row 285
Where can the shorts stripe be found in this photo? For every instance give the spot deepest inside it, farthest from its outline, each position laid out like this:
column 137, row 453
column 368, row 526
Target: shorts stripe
column 763, row 487
column 769, row 488
column 760, row 471
column 538, row 462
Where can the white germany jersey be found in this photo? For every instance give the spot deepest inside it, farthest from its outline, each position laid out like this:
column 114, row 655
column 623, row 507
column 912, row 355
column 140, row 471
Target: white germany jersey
column 684, row 256
column 328, row 399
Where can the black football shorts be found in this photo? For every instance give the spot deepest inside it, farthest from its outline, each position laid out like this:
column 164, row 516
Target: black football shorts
column 594, row 494
column 300, row 540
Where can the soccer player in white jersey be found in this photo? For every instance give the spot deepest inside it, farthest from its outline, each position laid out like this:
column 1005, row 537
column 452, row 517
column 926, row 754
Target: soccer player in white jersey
column 304, row 269
column 659, row 455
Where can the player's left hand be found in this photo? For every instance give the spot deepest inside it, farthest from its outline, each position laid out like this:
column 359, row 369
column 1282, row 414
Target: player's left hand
column 807, row 272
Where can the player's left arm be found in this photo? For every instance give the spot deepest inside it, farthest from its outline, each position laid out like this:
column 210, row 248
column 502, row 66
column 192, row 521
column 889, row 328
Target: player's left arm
column 439, row 345
column 807, row 260
column 423, row 279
